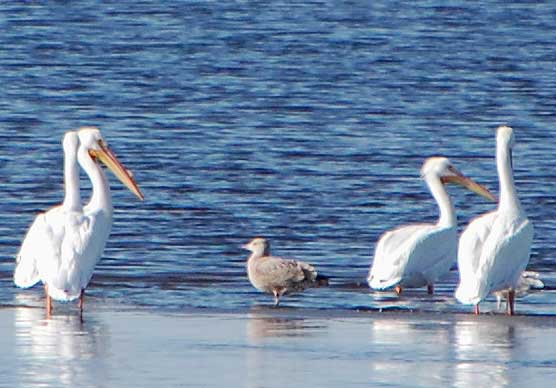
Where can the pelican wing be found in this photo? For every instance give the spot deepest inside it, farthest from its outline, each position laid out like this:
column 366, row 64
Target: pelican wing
column 433, row 256
column 40, row 243
column 61, row 248
column 94, row 235
column 493, row 252
column 505, row 255
column 48, row 244
column 471, row 244
column 392, row 242
column 83, row 242
column 418, row 253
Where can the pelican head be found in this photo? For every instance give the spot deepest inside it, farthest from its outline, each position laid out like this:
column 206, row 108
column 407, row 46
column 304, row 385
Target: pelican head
column 70, row 143
column 437, row 165
column 505, row 141
column 259, row 246
column 442, row 168
column 92, row 140
column 505, row 136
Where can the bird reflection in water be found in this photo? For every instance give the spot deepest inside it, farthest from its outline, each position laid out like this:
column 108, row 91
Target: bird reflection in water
column 60, row 351
column 483, row 351
column 275, row 346
column 409, row 350
column 260, row 327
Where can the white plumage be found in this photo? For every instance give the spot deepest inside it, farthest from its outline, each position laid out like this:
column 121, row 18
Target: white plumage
column 49, row 235
column 64, row 244
column 495, row 248
column 418, row 255
column 529, row 280
column 413, row 256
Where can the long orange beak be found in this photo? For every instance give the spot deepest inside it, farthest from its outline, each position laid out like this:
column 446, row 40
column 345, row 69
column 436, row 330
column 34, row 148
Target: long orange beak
column 106, row 156
column 468, row 183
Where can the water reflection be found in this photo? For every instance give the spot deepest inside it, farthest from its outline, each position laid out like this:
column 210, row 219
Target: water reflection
column 61, row 351
column 260, row 327
column 413, row 350
column 272, row 344
column 483, row 350
column 463, row 352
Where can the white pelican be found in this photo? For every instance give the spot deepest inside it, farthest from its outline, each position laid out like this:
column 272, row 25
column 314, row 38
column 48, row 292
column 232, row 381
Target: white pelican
column 418, row 255
column 494, row 249
column 64, row 244
column 277, row 275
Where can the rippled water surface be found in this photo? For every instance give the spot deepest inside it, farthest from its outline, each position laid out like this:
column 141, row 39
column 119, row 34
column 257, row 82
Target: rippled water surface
column 305, row 122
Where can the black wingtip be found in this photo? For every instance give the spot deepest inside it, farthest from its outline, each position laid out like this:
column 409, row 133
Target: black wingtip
column 322, row 280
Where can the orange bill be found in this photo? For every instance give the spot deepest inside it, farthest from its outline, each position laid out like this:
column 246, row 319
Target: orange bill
column 106, row 156
column 468, row 183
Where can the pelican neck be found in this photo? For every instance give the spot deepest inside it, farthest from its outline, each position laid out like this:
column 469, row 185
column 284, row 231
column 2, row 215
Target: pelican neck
column 447, row 212
column 101, row 198
column 509, row 202
column 72, row 199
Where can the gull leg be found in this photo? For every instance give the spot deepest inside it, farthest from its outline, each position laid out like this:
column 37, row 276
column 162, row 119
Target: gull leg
column 476, row 310
column 398, row 289
column 276, row 298
column 430, row 289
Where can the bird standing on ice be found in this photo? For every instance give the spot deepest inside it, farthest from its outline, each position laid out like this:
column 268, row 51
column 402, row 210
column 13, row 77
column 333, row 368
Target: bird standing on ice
column 420, row 254
column 277, row 275
column 529, row 280
column 495, row 248
column 63, row 245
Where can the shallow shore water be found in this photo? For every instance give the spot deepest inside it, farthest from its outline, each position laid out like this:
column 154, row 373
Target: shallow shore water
column 267, row 347
column 303, row 122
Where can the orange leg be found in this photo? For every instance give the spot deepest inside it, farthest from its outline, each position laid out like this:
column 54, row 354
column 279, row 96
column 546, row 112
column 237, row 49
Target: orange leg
column 476, row 311
column 430, row 289
column 48, row 302
column 511, row 302
column 398, row 289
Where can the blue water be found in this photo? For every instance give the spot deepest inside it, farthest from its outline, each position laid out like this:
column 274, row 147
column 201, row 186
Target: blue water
column 304, row 122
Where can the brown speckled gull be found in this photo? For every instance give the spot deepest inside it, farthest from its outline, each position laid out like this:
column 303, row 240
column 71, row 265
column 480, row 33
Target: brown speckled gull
column 277, row 275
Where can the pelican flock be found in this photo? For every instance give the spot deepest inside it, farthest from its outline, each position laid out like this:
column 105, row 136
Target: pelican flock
column 420, row 254
column 494, row 249
column 64, row 244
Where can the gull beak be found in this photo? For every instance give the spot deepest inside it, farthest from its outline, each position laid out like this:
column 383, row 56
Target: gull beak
column 106, row 156
column 245, row 246
column 468, row 183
